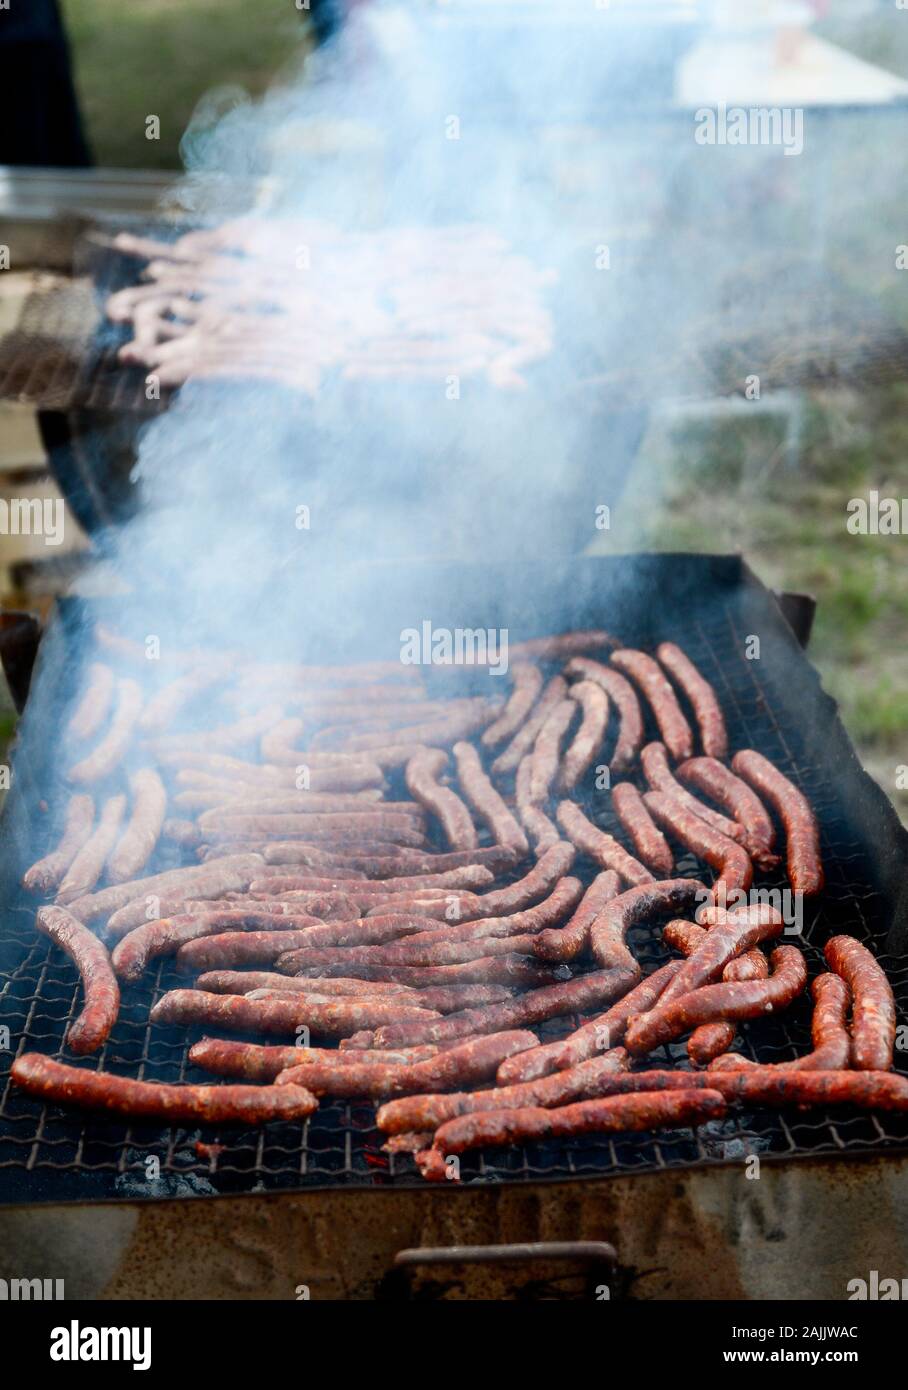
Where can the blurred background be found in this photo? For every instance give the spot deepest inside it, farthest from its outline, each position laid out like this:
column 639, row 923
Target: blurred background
column 708, row 474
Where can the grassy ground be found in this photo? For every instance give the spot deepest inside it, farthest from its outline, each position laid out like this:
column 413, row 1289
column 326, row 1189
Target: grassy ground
column 158, row 57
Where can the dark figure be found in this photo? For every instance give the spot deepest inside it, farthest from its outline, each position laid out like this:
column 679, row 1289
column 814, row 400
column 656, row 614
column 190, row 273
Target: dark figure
column 39, row 113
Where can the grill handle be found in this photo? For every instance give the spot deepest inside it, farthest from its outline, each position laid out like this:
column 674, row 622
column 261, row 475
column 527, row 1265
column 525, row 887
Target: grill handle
column 799, row 611
column 597, row 1258
column 20, row 634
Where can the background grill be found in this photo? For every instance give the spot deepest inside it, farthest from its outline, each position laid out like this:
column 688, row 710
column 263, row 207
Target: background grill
column 773, row 704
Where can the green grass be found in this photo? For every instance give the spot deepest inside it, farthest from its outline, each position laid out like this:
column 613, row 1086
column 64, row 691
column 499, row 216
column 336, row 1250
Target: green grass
column 159, row 57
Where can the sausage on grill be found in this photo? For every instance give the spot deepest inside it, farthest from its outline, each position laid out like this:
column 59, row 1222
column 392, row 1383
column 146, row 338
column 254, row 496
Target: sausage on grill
column 802, row 833
column 426, row 1111
column 94, row 706
column 599, row 846
column 527, row 682
column 263, row 1062
column 421, row 776
column 465, row 1065
column 719, row 782
column 646, row 837
column 572, row 996
column 156, row 1100
column 600, row 1034
column 608, row 932
column 545, row 764
column 703, row 699
column 873, row 1015
column 106, row 757
column 128, row 902
column 136, row 844
column 730, row 860
column 624, row 698
column 661, row 779
column 571, row 940
column 721, row 1003
column 48, row 872
column 525, row 738
column 586, row 743
column 615, row 1115
column 828, row 1030
column 652, row 681
column 164, row 937
column 335, row 1018
column 542, row 831
column 485, row 800
column 101, row 994
column 85, row 869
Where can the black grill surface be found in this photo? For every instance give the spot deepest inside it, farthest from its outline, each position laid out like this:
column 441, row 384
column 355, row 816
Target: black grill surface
column 773, row 704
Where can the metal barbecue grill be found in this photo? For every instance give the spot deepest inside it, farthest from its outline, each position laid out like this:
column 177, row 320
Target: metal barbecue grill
column 773, row 704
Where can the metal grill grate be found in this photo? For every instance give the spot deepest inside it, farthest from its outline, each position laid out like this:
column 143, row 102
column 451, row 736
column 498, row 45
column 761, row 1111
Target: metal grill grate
column 45, row 1152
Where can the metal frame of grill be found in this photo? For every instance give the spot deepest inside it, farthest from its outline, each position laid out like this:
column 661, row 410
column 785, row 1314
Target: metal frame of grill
column 46, row 1153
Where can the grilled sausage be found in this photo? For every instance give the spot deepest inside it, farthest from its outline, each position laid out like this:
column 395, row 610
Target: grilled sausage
column 802, row 834
column 426, row 1111
column 615, row 1115
column 828, row 1030
column 560, row 903
column 99, row 987
column 730, row 860
column 652, row 681
column 156, row 1100
column 599, row 846
column 709, row 1041
column 245, row 981
column 525, row 738
column 336, row 1018
column 624, row 698
column 471, row 876
column 703, row 699
column 600, row 1034
column 721, row 1003
column 227, row 949
column 465, row 1065
column 514, row 971
column 769, row 1085
column 556, row 648
column 127, row 902
column 164, row 937
column 582, row 751
column 542, row 831
column 94, row 706
column 572, row 996
column 421, row 776
column 259, row 1062
column 646, row 837
column 719, row 947
column 544, row 767
column 471, row 716
column 106, row 757
column 873, row 1015
column 571, row 940
column 136, row 845
column 607, row 935
column 527, row 684
column 540, row 881
column 661, row 779
column 486, row 802
column 717, row 781
column 85, row 869
column 48, row 872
